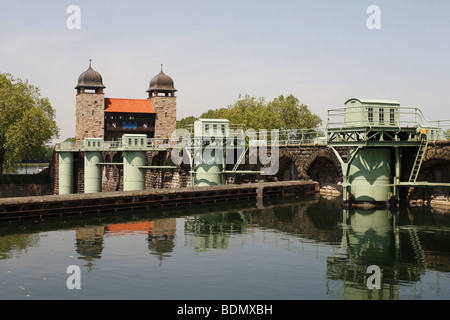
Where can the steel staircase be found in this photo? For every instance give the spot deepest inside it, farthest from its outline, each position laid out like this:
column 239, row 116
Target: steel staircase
column 419, row 158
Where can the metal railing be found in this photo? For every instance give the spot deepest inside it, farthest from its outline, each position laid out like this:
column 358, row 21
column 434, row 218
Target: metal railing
column 269, row 136
column 400, row 117
column 238, row 134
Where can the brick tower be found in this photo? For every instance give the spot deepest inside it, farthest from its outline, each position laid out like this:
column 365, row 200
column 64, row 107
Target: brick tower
column 161, row 93
column 90, row 105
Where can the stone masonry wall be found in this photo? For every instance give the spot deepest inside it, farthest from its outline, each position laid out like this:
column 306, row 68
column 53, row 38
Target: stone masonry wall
column 166, row 116
column 90, row 116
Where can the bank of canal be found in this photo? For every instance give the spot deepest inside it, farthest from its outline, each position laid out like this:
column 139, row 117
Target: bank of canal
column 81, row 203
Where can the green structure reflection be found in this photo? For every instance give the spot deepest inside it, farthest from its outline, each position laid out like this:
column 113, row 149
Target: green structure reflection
column 205, row 232
column 370, row 237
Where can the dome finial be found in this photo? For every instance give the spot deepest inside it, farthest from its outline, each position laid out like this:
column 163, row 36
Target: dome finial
column 90, row 79
column 161, row 83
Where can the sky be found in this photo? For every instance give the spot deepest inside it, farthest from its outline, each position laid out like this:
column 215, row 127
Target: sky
column 323, row 52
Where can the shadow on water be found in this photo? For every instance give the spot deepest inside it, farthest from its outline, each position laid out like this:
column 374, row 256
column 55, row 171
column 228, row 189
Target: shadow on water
column 403, row 242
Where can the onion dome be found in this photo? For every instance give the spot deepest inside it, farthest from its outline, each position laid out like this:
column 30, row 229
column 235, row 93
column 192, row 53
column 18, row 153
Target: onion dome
column 90, row 79
column 161, row 83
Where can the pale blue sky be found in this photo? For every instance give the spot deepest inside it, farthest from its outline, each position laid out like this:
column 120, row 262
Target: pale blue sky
column 320, row 51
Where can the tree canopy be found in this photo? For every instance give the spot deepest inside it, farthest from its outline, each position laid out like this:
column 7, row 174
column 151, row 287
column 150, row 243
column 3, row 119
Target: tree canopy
column 26, row 121
column 256, row 113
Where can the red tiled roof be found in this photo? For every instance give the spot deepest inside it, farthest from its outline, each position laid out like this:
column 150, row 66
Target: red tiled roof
column 128, row 105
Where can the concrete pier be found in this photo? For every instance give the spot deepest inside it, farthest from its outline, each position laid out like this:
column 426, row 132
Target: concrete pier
column 83, row 203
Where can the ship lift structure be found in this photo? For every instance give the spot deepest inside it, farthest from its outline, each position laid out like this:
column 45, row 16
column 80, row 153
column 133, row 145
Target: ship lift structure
column 375, row 132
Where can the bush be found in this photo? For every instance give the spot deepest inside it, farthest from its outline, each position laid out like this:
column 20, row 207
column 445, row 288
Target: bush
column 42, row 178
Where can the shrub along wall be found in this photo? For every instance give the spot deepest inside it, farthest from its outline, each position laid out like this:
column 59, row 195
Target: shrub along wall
column 25, row 185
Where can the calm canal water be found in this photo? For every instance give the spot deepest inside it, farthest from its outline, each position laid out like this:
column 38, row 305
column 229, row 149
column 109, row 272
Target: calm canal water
column 280, row 249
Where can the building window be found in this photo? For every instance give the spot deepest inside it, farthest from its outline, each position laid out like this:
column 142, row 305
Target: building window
column 223, row 129
column 392, row 116
column 370, row 115
column 381, row 115
column 206, row 129
column 214, row 128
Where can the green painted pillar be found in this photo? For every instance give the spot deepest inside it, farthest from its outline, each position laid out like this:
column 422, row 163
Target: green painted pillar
column 133, row 176
column 92, row 172
column 209, row 168
column 370, row 175
column 65, row 162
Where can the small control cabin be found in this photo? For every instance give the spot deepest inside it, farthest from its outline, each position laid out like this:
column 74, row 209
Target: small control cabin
column 371, row 113
column 211, row 128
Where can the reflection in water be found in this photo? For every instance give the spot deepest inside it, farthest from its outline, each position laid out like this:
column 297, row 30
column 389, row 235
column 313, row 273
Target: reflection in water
column 369, row 238
column 89, row 243
column 161, row 237
column 404, row 243
column 11, row 244
column 377, row 237
column 213, row 231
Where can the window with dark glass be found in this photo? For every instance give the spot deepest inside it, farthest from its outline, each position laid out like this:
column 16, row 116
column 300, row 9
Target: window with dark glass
column 370, row 115
column 392, row 116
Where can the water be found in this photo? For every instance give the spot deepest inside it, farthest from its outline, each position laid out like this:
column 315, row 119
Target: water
column 290, row 249
column 31, row 168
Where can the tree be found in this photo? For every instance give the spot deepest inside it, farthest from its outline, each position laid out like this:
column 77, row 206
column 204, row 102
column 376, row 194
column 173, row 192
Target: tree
column 290, row 114
column 255, row 113
column 26, row 121
column 71, row 139
column 181, row 124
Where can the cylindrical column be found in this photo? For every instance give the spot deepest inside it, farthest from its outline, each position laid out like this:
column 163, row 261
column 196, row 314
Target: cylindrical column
column 133, row 176
column 209, row 169
column 92, row 172
column 370, row 175
column 65, row 162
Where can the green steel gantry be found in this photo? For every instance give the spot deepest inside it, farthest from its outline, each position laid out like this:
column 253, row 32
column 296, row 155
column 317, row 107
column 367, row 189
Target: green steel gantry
column 376, row 132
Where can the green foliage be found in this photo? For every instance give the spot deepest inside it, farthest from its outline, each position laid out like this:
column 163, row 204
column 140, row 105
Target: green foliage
column 26, row 121
column 257, row 113
column 181, row 124
column 39, row 178
column 288, row 113
column 44, row 156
